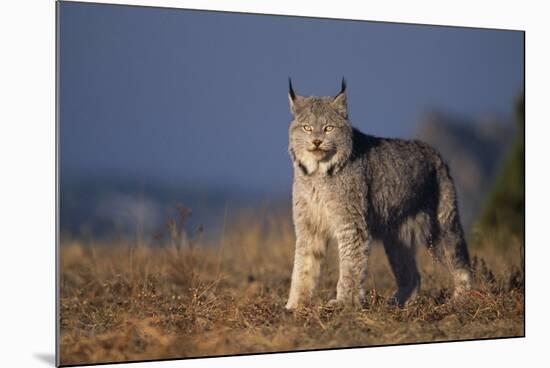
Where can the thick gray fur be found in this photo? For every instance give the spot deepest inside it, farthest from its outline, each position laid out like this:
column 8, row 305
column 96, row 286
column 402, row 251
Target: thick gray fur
column 355, row 188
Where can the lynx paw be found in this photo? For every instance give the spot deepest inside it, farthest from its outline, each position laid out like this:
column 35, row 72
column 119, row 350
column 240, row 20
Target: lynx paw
column 335, row 303
column 291, row 306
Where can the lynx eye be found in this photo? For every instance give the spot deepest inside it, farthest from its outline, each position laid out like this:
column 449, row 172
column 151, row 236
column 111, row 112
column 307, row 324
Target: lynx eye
column 329, row 128
column 307, row 128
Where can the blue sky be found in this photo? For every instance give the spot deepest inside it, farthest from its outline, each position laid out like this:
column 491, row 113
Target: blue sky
column 200, row 98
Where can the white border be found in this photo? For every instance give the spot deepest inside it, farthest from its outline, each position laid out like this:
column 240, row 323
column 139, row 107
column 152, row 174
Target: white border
column 452, row 13
column 27, row 185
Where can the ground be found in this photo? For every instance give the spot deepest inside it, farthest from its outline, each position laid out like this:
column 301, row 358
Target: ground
column 188, row 297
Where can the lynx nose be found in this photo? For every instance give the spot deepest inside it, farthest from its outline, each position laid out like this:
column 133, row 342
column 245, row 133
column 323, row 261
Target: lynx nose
column 317, row 142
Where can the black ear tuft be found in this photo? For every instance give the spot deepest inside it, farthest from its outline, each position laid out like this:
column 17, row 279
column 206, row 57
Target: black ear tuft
column 339, row 101
column 343, row 88
column 291, row 90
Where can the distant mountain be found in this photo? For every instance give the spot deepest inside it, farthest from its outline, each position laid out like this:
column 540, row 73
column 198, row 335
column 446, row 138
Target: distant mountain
column 474, row 151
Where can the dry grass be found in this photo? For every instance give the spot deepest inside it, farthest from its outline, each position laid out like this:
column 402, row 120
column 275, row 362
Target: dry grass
column 128, row 301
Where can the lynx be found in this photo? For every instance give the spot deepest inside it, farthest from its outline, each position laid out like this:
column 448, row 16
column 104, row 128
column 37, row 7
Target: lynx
column 355, row 189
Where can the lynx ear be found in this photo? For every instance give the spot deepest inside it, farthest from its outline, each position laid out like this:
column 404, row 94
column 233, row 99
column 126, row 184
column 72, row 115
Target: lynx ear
column 294, row 100
column 340, row 101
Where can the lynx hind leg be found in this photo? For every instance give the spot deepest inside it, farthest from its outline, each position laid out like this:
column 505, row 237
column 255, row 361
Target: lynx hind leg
column 401, row 251
column 402, row 260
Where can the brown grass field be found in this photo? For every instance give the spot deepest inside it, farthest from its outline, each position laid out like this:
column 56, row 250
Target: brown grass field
column 127, row 300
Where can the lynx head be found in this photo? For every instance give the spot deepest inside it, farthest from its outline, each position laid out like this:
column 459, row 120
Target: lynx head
column 320, row 135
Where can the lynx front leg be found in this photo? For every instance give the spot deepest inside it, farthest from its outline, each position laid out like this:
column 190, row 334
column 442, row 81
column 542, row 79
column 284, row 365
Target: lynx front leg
column 353, row 248
column 309, row 254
